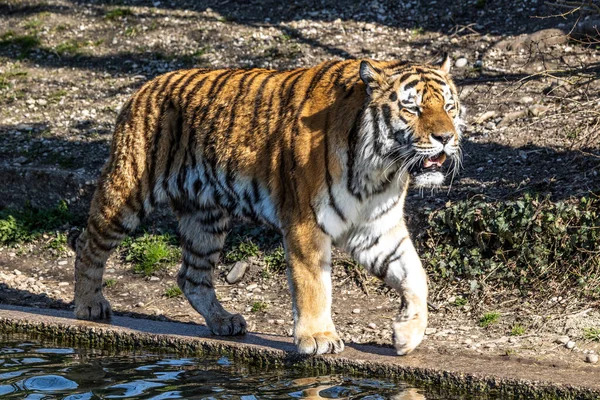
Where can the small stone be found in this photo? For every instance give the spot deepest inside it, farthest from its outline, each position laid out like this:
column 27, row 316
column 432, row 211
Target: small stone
column 20, row 160
column 251, row 287
column 237, row 272
column 461, row 62
column 280, row 321
column 140, row 304
column 591, row 358
column 63, row 262
column 562, row 340
column 271, row 321
column 526, row 100
column 42, row 102
column 372, row 325
column 16, row 271
column 430, row 331
column 356, row 311
column 154, row 278
column 570, row 344
column 63, row 284
column 468, row 341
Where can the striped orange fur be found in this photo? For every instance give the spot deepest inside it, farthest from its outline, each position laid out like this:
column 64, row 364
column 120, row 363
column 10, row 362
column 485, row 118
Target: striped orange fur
column 322, row 154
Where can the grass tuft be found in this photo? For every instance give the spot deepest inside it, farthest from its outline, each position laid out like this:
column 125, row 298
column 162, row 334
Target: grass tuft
column 110, row 283
column 242, row 251
column 592, row 334
column 517, row 330
column 149, row 253
column 488, row 319
column 173, row 291
column 259, row 306
column 117, row 13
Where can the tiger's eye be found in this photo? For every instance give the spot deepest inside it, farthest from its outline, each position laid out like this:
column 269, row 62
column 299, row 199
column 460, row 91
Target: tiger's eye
column 393, row 96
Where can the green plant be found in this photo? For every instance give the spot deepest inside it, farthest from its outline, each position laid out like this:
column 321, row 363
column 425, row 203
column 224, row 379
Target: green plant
column 592, row 334
column 460, row 301
column 58, row 242
column 173, row 291
column 488, row 319
column 275, row 260
column 116, row 13
column 25, row 43
column 70, row 47
column 149, row 253
column 259, row 306
column 110, row 283
column 517, row 330
column 515, row 244
column 27, row 224
column 242, row 251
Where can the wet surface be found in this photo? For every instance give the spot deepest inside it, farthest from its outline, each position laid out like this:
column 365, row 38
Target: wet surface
column 30, row 369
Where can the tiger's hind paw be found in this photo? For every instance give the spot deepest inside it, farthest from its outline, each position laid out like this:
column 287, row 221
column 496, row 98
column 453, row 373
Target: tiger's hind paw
column 228, row 325
column 319, row 343
column 94, row 308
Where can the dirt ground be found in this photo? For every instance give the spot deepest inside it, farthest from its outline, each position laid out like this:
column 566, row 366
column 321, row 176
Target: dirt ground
column 532, row 100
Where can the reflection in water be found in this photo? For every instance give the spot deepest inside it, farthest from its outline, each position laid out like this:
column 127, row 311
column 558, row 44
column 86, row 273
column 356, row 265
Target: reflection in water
column 32, row 371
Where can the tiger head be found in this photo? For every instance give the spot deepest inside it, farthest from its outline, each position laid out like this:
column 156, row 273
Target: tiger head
column 414, row 118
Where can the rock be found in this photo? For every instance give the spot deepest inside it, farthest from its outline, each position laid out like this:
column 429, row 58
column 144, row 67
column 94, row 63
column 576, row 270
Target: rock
column 372, row 325
column 63, row 262
column 154, row 278
column 526, row 100
column 16, row 271
column 508, row 118
column 251, row 287
column 356, row 311
column 140, row 304
column 570, row 344
column 237, row 272
column 280, row 321
column 485, row 116
column 562, row 340
column 63, row 284
column 430, row 331
column 536, row 111
column 461, row 62
column 591, row 358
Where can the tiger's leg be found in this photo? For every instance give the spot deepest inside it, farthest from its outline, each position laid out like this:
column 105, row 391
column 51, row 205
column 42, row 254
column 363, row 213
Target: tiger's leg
column 392, row 257
column 107, row 226
column 308, row 253
column 203, row 234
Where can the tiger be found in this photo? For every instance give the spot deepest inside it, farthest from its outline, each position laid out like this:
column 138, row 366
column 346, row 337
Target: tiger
column 323, row 154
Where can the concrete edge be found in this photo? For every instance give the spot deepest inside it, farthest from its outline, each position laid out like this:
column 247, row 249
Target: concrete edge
column 506, row 377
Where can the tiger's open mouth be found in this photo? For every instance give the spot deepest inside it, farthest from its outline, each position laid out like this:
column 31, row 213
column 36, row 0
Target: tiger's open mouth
column 433, row 163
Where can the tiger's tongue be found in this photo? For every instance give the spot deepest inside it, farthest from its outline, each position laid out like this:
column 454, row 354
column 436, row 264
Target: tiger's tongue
column 438, row 161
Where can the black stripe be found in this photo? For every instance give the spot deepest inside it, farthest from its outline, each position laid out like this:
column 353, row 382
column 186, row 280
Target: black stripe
column 176, row 134
column 156, row 136
column 385, row 211
column 328, row 179
column 256, row 191
column 352, row 140
column 411, row 84
column 211, row 218
column 387, row 119
column 188, row 246
column 381, row 270
column 203, row 282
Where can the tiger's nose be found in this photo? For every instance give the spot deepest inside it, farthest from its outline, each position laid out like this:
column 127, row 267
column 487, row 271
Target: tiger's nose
column 443, row 138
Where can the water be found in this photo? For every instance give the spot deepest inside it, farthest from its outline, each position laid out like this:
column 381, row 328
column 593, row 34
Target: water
column 31, row 370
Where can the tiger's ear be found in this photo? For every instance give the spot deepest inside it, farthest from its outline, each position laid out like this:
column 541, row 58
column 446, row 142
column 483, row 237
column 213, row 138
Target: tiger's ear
column 372, row 76
column 445, row 64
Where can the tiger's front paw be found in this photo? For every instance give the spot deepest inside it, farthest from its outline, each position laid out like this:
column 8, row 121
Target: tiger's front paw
column 408, row 333
column 319, row 343
column 92, row 307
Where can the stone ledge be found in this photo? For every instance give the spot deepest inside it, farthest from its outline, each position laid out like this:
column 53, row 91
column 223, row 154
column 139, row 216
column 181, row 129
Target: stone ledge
column 453, row 370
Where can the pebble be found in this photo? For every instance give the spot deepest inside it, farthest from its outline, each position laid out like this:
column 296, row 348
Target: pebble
column 16, row 271
column 63, row 284
column 591, row 358
column 570, row 344
column 237, row 272
column 251, row 287
column 526, row 100
column 356, row 311
column 280, row 321
column 430, row 331
column 461, row 62
column 562, row 340
column 63, row 262
column 372, row 325
column 154, row 278
column 140, row 304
